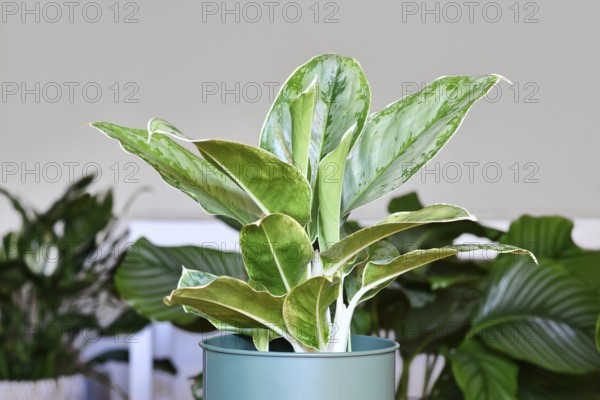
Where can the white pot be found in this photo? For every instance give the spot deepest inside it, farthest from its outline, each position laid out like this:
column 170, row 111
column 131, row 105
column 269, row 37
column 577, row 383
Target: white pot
column 63, row 388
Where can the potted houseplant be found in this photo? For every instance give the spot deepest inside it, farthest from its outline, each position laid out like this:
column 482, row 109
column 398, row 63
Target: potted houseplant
column 57, row 296
column 320, row 157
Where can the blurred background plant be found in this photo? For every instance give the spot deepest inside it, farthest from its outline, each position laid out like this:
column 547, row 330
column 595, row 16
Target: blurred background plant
column 488, row 327
column 495, row 328
column 57, row 291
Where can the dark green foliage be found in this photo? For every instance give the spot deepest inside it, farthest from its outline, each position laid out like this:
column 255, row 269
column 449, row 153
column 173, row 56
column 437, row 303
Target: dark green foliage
column 541, row 319
column 56, row 285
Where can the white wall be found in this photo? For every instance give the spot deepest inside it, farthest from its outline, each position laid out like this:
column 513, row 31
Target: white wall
column 170, row 54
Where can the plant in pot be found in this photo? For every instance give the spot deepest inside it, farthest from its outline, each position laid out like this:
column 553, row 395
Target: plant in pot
column 320, row 157
column 57, row 296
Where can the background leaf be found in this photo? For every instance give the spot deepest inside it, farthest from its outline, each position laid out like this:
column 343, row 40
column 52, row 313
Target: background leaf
column 547, row 237
column 598, row 333
column 149, row 273
column 551, row 237
column 541, row 315
column 483, row 375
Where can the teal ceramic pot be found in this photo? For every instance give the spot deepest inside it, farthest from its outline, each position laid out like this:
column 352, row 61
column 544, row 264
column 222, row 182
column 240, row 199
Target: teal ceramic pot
column 235, row 370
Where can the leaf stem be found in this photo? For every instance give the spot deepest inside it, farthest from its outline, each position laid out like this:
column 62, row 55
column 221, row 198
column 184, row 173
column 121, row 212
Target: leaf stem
column 429, row 367
column 402, row 392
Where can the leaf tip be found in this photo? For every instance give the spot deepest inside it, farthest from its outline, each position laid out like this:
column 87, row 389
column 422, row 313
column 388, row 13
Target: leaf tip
column 502, row 78
column 96, row 124
column 532, row 256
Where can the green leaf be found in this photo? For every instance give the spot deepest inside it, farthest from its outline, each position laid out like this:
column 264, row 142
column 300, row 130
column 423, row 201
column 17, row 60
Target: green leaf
column 361, row 322
column 547, row 237
column 18, row 206
column 329, row 188
column 261, row 339
column 451, row 273
column 598, row 333
column 421, row 320
column 551, row 238
column 344, row 250
column 196, row 177
column 196, row 386
column 397, row 141
column 192, row 278
column 436, row 235
column 483, row 375
column 539, row 384
column 254, row 170
column 150, row 272
column 301, row 112
column 305, row 311
column 541, row 315
column 275, row 186
column 160, row 126
column 342, row 100
column 585, row 265
column 407, row 202
column 233, row 302
column 128, row 322
column 376, row 275
column 445, row 387
column 380, row 252
column 276, row 252
column 230, row 222
column 370, row 278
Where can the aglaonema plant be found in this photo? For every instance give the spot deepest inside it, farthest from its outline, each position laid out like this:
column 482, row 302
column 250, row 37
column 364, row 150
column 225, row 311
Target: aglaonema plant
column 321, row 156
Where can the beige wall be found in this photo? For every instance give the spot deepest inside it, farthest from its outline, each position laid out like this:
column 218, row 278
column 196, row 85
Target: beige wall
column 170, row 57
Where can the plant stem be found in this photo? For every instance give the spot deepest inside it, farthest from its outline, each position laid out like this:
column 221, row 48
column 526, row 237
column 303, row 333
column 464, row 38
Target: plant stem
column 317, row 265
column 343, row 319
column 429, row 367
column 402, row 392
column 375, row 314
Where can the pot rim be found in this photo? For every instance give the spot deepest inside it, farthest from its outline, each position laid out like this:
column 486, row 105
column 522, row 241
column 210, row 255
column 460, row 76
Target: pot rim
column 392, row 346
